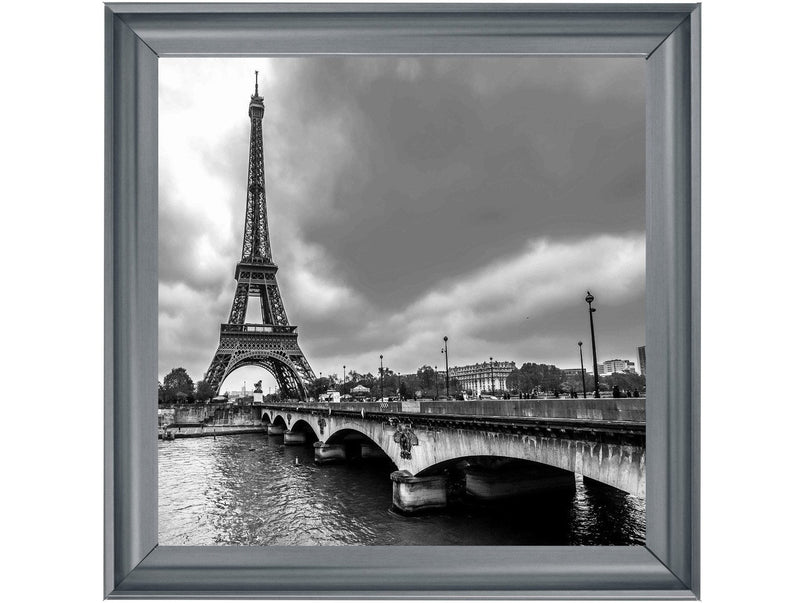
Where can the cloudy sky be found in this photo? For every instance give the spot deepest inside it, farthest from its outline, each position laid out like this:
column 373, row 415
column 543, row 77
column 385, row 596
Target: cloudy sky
column 408, row 199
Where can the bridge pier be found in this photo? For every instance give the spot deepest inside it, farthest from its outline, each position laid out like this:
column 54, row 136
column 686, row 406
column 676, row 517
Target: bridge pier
column 275, row 430
column 416, row 494
column 295, row 438
column 488, row 485
column 329, row 453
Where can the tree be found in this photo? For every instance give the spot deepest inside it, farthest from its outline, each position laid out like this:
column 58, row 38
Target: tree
column 404, row 394
column 204, row 391
column 178, row 382
column 368, row 380
column 625, row 381
column 514, row 380
column 531, row 376
column 320, row 386
column 427, row 377
column 388, row 383
column 412, row 384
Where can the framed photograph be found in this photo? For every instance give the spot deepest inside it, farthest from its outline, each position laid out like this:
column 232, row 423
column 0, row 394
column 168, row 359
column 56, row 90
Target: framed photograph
column 476, row 374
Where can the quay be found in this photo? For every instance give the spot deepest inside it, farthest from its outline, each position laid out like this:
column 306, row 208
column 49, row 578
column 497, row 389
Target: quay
column 195, row 431
column 204, row 420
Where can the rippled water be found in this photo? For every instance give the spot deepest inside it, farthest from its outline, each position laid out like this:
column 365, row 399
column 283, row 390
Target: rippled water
column 249, row 489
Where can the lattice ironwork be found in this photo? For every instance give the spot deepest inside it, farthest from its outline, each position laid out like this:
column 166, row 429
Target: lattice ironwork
column 273, row 343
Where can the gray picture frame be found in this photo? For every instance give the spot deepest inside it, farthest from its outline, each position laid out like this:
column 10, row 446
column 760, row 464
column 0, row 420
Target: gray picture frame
column 668, row 37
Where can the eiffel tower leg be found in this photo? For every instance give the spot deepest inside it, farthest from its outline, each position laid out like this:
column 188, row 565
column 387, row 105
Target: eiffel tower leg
column 289, row 384
column 217, row 369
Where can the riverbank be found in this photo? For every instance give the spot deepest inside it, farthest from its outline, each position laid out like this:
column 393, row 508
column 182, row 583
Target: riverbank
column 203, row 431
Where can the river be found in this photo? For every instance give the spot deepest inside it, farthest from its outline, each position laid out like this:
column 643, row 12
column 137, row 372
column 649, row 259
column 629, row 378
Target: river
column 254, row 490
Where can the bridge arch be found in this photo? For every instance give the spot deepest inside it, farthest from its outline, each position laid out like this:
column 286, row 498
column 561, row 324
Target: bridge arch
column 302, row 425
column 279, row 421
column 281, row 368
column 354, row 439
column 618, row 465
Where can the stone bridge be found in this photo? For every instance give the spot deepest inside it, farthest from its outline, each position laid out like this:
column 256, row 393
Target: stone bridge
column 499, row 448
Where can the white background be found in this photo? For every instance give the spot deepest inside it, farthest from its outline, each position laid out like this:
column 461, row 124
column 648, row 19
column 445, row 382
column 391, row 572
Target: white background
column 51, row 254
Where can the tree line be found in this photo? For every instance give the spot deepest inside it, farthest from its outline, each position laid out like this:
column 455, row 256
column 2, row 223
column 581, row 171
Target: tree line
column 425, row 383
column 178, row 387
column 532, row 378
column 529, row 379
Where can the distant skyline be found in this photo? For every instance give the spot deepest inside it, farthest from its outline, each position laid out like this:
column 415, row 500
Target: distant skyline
column 408, row 199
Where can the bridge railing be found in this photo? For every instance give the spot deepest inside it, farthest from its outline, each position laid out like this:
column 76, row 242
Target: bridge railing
column 630, row 410
column 256, row 328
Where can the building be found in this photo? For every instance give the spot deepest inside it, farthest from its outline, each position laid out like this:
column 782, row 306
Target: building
column 642, row 360
column 618, row 366
column 360, row 391
column 478, row 377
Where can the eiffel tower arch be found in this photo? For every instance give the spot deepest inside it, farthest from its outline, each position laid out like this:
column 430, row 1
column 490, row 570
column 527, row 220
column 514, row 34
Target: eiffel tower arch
column 271, row 344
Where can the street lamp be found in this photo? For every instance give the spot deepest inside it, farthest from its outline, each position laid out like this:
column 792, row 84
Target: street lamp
column 446, row 359
column 583, row 372
column 436, row 380
column 589, row 299
column 382, row 388
column 491, row 364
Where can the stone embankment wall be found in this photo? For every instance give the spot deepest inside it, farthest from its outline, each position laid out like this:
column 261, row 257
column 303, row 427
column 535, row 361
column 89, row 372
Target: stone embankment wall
column 215, row 414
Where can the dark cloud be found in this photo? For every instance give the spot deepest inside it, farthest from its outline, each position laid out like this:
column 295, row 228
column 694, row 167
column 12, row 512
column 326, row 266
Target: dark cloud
column 399, row 190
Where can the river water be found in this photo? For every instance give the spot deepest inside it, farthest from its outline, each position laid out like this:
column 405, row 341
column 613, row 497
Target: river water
column 254, row 490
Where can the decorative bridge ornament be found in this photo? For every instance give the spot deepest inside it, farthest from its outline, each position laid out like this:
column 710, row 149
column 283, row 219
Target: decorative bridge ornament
column 406, row 438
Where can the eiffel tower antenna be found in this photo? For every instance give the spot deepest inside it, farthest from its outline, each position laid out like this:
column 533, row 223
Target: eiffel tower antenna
column 271, row 343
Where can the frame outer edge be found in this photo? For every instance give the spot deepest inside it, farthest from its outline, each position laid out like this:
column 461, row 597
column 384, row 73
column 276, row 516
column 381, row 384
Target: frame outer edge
column 131, row 309
column 403, row 29
column 695, row 229
column 108, row 340
column 391, row 7
column 130, row 299
column 673, row 302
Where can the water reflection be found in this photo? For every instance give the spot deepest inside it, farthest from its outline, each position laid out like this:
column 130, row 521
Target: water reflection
column 253, row 490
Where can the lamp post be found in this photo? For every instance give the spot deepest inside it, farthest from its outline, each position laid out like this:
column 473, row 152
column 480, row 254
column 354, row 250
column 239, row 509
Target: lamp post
column 589, row 299
column 446, row 359
column 491, row 364
column 436, row 380
column 344, row 379
column 583, row 372
column 382, row 388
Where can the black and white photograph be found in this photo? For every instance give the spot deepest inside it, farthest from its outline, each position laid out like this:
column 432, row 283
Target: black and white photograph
column 402, row 301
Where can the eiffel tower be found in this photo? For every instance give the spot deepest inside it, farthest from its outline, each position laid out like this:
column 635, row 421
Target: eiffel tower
column 273, row 343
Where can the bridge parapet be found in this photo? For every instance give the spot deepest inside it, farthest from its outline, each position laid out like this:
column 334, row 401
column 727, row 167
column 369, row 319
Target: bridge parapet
column 631, row 410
